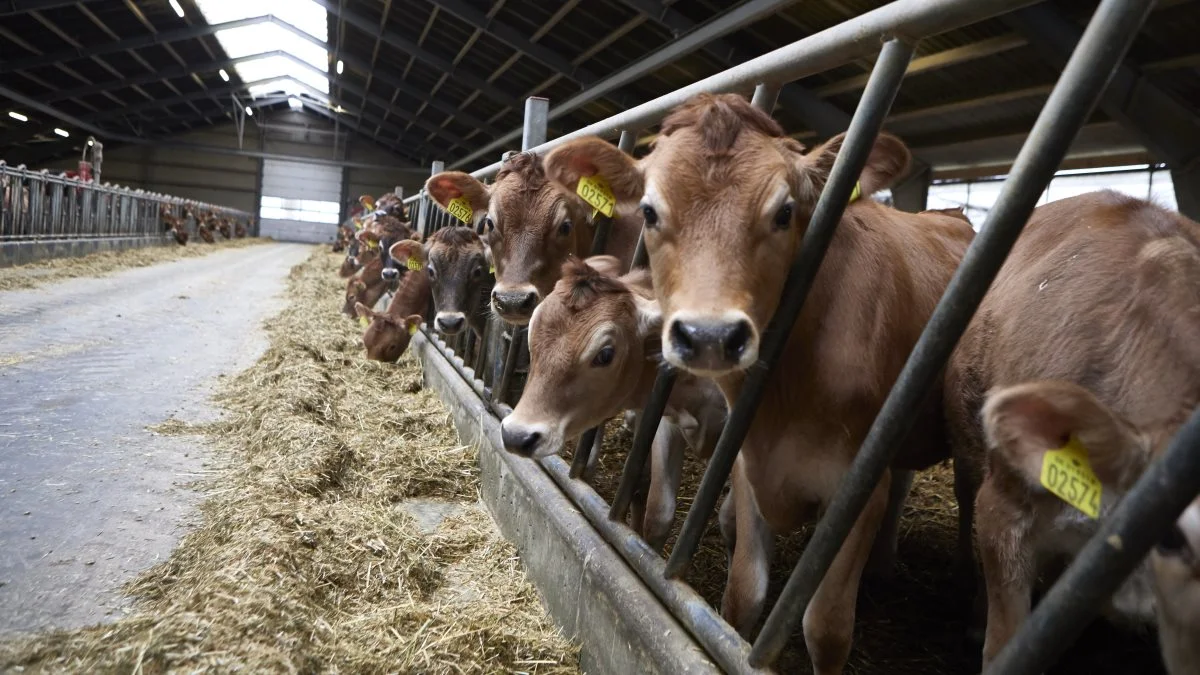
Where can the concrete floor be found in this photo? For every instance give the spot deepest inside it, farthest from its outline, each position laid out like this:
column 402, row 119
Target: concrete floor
column 88, row 496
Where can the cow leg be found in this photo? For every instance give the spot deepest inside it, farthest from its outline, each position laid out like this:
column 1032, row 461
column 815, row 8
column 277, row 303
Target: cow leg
column 1009, row 570
column 666, row 466
column 752, row 543
column 882, row 563
column 829, row 619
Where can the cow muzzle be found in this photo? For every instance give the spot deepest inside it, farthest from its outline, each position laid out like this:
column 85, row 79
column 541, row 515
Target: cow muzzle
column 526, row 440
column 710, row 344
column 390, row 274
column 516, row 305
column 450, row 323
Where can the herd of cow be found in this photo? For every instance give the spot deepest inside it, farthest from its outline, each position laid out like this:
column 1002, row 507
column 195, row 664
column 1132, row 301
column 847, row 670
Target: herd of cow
column 1075, row 373
column 206, row 223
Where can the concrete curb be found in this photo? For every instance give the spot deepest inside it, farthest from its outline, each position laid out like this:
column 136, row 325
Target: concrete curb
column 590, row 592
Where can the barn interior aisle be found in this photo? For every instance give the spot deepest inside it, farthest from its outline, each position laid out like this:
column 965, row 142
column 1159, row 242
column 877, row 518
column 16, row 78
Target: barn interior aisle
column 88, row 495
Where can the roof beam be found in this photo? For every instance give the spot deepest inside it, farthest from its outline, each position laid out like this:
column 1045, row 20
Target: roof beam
column 165, row 74
column 1166, row 126
column 371, row 28
column 14, row 7
column 540, row 53
column 163, row 38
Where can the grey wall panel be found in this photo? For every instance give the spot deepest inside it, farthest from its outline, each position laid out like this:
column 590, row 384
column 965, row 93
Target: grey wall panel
column 291, row 230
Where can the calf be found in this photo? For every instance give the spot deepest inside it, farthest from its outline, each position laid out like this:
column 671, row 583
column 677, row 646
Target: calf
column 239, row 230
column 222, row 226
column 726, row 199
column 389, row 332
column 1123, row 350
column 366, row 286
column 531, row 226
column 380, row 232
column 457, row 265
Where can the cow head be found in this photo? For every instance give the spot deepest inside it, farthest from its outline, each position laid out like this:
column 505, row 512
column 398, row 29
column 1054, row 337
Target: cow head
column 386, row 336
column 457, row 264
column 356, row 290
column 588, row 345
column 1023, row 422
column 726, row 199
column 530, row 225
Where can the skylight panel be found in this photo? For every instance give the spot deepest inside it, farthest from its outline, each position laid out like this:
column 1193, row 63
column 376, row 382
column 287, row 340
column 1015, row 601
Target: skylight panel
column 305, row 15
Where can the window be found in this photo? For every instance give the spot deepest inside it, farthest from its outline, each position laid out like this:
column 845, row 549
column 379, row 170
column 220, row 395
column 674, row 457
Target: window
column 304, row 210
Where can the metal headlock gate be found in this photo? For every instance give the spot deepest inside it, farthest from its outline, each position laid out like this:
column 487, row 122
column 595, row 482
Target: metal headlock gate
column 1137, row 523
column 40, row 206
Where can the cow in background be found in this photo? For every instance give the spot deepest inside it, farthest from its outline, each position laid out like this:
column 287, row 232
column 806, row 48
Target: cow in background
column 388, row 333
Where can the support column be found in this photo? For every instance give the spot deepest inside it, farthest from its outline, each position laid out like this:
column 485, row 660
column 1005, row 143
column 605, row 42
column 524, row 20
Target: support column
column 912, row 194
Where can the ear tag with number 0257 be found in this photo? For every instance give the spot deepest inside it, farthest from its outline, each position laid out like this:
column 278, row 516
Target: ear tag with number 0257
column 596, row 192
column 1067, row 473
column 460, row 208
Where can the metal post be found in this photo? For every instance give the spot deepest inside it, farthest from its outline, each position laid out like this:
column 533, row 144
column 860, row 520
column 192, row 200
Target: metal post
column 583, row 451
column 1140, row 521
column 765, row 97
column 1102, row 47
column 643, row 436
column 860, row 138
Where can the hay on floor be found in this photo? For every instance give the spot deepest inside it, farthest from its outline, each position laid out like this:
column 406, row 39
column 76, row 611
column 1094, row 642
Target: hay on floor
column 343, row 533
column 39, row 273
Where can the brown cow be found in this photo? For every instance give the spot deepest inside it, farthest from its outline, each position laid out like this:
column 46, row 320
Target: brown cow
column 726, row 199
column 457, row 264
column 1059, row 310
column 366, row 286
column 531, row 226
column 389, row 332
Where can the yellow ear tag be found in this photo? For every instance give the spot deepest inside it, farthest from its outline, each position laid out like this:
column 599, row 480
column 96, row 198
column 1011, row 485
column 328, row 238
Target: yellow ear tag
column 492, row 269
column 1067, row 473
column 595, row 191
column 372, row 245
column 460, row 208
column 412, row 329
column 413, row 264
column 364, row 321
column 854, row 196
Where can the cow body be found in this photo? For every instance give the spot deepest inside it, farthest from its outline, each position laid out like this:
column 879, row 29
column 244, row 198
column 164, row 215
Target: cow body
column 530, row 226
column 388, row 333
column 366, row 286
column 726, row 198
column 1101, row 296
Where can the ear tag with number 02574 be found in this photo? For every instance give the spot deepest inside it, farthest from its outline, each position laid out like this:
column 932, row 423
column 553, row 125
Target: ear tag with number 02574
column 595, row 191
column 1067, row 473
column 460, row 208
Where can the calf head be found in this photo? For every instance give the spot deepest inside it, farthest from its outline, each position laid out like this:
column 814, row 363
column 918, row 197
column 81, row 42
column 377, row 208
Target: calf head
column 457, row 263
column 530, row 225
column 1024, row 421
column 588, row 343
column 386, row 336
column 726, row 199
column 382, row 232
column 356, row 290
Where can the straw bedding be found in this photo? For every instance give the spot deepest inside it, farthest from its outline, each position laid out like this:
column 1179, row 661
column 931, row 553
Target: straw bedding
column 342, row 533
column 42, row 272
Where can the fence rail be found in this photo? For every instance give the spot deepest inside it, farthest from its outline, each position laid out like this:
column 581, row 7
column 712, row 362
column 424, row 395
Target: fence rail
column 36, row 205
column 897, row 28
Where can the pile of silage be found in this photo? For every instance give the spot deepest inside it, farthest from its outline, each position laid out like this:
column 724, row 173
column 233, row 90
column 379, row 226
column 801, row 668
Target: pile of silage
column 309, row 557
column 103, row 263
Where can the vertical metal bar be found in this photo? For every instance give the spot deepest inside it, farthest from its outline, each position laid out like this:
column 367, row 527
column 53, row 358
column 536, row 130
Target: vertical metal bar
column 860, row 138
column 515, row 346
column 583, row 452
column 1140, row 521
column 643, row 436
column 1100, row 50
column 765, row 97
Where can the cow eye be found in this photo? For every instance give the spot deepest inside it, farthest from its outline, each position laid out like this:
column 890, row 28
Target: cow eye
column 430, row 272
column 604, row 356
column 488, row 223
column 650, row 215
column 783, row 217
column 477, row 272
column 564, row 228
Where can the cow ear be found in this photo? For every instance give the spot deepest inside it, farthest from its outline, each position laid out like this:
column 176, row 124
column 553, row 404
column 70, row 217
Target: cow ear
column 449, row 185
column 887, row 163
column 607, row 265
column 649, row 317
column 363, row 311
column 412, row 323
column 589, row 156
column 1024, row 421
column 407, row 250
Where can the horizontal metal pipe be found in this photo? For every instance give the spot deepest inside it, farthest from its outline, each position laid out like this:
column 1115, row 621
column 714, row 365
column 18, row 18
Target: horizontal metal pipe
column 1104, row 43
column 1140, row 521
column 833, row 47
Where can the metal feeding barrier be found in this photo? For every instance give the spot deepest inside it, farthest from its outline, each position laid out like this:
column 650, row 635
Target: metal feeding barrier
column 40, row 206
column 1141, row 518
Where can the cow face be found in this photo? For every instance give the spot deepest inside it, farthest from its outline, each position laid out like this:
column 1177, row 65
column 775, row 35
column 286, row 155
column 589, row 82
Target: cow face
column 457, row 264
column 386, row 336
column 726, row 199
column 528, row 223
column 588, row 344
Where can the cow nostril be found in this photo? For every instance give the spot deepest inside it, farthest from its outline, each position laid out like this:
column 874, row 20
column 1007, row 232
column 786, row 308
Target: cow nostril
column 737, row 337
column 529, row 300
column 681, row 335
column 520, row 440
